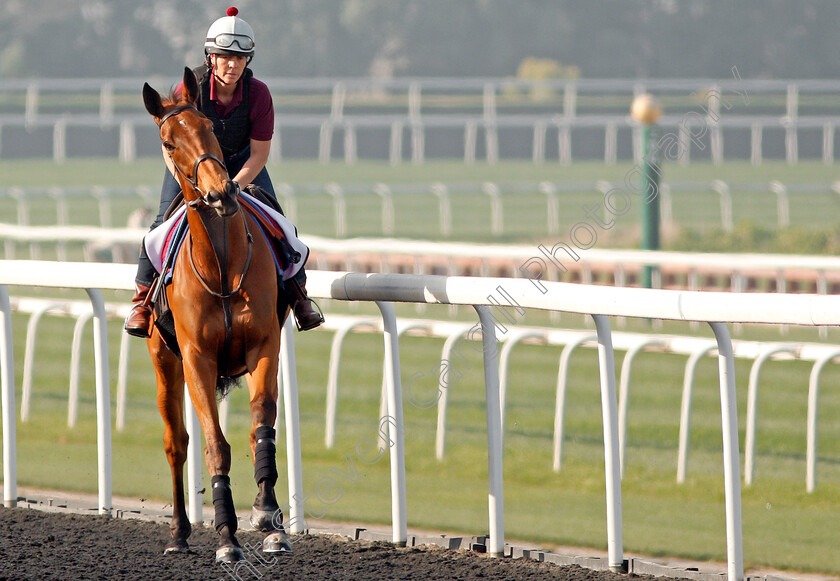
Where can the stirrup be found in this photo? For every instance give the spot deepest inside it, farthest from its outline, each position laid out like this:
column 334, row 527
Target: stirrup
column 319, row 311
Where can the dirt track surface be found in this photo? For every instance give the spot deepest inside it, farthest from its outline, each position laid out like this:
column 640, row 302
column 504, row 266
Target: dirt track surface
column 54, row 546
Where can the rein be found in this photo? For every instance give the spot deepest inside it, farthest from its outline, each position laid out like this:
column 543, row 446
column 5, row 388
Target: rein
column 203, row 197
column 244, row 270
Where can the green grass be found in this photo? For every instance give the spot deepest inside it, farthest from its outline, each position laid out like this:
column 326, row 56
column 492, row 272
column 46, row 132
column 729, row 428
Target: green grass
column 148, row 171
column 783, row 526
column 417, row 213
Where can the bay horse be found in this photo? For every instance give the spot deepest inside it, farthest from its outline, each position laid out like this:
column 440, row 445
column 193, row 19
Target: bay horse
column 227, row 318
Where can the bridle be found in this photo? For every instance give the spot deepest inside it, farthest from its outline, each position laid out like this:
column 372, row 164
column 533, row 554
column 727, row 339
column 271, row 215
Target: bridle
column 202, row 196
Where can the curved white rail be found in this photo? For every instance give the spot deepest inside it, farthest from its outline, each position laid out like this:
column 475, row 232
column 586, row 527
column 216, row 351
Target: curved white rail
column 714, row 308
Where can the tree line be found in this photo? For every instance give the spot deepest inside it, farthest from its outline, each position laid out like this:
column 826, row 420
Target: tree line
column 450, row 38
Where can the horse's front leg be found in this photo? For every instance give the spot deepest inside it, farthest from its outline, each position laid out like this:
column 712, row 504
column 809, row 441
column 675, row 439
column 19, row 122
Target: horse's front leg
column 200, row 373
column 170, row 399
column 266, row 515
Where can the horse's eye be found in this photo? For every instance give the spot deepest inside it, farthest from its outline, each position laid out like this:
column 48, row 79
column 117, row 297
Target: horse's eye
column 168, row 146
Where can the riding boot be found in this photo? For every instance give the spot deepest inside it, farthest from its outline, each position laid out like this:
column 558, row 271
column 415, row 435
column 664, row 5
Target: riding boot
column 138, row 319
column 306, row 316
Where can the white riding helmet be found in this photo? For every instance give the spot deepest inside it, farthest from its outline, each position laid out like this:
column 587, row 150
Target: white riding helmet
column 230, row 35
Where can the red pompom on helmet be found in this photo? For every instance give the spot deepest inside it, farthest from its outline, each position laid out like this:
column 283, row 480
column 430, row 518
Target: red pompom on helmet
column 230, row 35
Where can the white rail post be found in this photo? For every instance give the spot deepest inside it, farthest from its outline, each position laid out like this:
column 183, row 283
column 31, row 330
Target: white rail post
column 538, row 146
column 685, row 410
column 32, row 98
column 722, row 188
column 396, row 430
column 813, row 413
column 60, row 141
column 383, row 400
column 340, row 208
column 828, row 143
column 195, row 499
column 294, row 462
column 552, row 206
column 491, row 136
column 103, row 399
column 624, row 394
column 128, row 142
column 560, row 399
column 443, row 388
column 418, row 142
column 731, row 458
column 332, row 385
column 276, row 152
column 29, row 359
column 103, row 197
column 332, row 378
column 415, row 110
column 504, row 366
column 395, row 146
column 756, row 137
column 445, row 209
column 564, row 141
column 470, row 132
column 610, row 144
column 384, row 192
column 752, row 409
column 75, row 369
column 612, row 467
column 325, row 142
column 351, row 153
column 496, row 497
column 106, row 103
column 782, row 203
column 7, row 382
column 496, row 208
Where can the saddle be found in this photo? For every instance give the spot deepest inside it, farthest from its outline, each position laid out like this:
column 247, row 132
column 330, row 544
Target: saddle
column 283, row 252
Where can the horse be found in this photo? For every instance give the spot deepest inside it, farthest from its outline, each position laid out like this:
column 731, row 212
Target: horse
column 228, row 313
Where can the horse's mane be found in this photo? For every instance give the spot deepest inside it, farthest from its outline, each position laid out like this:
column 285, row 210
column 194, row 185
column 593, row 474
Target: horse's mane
column 171, row 98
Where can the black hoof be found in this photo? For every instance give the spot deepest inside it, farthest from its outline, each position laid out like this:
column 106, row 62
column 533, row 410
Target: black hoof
column 229, row 555
column 263, row 520
column 277, row 543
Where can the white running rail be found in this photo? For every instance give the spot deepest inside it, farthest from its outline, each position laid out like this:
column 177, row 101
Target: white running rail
column 714, row 308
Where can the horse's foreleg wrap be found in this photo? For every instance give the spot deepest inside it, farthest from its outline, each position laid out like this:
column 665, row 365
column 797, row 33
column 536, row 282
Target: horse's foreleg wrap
column 264, row 464
column 223, row 503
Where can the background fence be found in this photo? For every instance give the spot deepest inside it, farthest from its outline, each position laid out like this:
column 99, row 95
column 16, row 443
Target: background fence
column 404, row 120
column 486, row 210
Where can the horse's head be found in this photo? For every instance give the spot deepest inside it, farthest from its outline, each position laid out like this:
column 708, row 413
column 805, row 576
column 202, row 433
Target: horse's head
column 187, row 136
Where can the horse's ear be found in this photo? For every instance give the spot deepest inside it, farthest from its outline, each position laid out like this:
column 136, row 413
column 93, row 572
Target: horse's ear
column 151, row 99
column 190, row 86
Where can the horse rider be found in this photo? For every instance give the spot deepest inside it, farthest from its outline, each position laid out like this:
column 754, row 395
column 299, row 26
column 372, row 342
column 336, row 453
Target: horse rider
column 242, row 112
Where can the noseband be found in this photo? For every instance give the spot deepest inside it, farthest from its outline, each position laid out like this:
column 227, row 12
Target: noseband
column 202, row 196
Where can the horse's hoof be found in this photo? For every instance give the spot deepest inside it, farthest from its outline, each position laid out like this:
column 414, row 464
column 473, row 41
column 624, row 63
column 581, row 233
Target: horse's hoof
column 263, row 520
column 229, row 555
column 277, row 542
column 175, row 548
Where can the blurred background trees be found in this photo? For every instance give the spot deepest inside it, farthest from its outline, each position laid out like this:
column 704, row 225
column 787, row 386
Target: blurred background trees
column 387, row 38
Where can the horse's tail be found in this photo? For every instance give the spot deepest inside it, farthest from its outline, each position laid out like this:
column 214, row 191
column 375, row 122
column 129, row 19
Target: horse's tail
column 224, row 385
